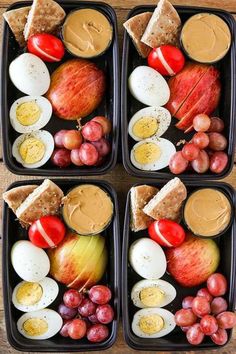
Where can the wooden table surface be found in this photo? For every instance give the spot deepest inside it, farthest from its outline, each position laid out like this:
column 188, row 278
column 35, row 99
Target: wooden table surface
column 118, row 177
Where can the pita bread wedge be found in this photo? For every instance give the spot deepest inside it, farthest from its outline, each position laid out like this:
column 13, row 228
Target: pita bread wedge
column 16, row 20
column 15, row 196
column 163, row 27
column 135, row 26
column 44, row 16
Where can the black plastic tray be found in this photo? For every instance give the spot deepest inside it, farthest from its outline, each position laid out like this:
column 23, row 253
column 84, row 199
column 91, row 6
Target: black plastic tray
column 13, row 232
column 109, row 107
column 175, row 340
column 226, row 109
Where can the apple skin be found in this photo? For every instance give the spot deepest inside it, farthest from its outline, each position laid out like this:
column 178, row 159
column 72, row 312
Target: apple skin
column 76, row 90
column 193, row 261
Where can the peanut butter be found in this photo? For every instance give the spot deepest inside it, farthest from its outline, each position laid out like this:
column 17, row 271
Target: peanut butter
column 87, row 209
column 87, row 33
column 206, row 38
column 207, row 212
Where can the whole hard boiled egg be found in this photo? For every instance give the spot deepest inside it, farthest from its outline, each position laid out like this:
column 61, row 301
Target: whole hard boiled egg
column 42, row 324
column 152, row 154
column 34, row 149
column 30, row 113
column 148, row 86
column 33, row 296
column 30, row 262
column 152, row 293
column 149, row 122
column 29, row 74
column 153, row 323
column 147, row 258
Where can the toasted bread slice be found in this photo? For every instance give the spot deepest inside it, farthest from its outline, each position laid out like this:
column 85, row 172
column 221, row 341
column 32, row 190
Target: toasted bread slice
column 163, row 27
column 135, row 26
column 139, row 197
column 44, row 16
column 44, row 200
column 167, row 203
column 15, row 196
column 16, row 20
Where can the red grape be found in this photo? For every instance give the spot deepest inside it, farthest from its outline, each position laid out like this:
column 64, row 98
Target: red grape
column 105, row 123
column 205, row 293
column 217, row 125
column 97, row 333
column 77, row 329
column 217, row 141
column 201, row 306
column 185, row 317
column 178, row 163
column 220, row 337
column 201, row 122
column 201, row 164
column 100, row 161
column 93, row 318
column 201, row 140
column 218, row 161
column 217, row 284
column 61, row 157
column 105, row 313
column 226, row 320
column 58, row 138
column 66, row 313
column 187, row 302
column 185, row 329
column 218, row 305
column 72, row 139
column 208, row 325
column 190, row 151
column 195, row 335
column 103, row 146
column 92, row 131
column 86, row 308
column 72, row 298
column 75, row 159
column 100, row 294
column 64, row 328
column 88, row 154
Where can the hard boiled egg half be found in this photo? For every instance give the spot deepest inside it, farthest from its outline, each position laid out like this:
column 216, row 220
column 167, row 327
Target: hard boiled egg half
column 30, row 113
column 152, row 154
column 34, row 149
column 149, row 122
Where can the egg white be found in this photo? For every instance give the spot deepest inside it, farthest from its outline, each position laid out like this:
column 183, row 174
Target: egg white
column 46, row 113
column 52, row 318
column 167, row 288
column 167, row 151
column 50, row 291
column 47, row 140
column 168, row 317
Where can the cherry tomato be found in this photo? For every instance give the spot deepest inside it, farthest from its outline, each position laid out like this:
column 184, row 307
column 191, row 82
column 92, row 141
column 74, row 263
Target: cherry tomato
column 178, row 163
column 167, row 233
column 217, row 284
column 218, row 161
column 46, row 46
column 166, row 59
column 190, row 151
column 47, row 231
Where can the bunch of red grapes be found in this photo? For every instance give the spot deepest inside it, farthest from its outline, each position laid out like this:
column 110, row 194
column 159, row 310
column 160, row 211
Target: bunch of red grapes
column 86, row 315
column 205, row 150
column 88, row 146
column 206, row 314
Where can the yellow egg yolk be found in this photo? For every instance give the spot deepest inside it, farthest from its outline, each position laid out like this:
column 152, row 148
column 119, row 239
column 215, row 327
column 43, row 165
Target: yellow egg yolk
column 32, row 150
column 151, row 324
column 28, row 113
column 35, row 326
column 29, row 293
column 147, row 153
column 151, row 297
column 145, row 127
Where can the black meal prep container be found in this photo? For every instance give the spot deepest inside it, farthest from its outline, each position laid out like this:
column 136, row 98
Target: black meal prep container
column 12, row 231
column 226, row 109
column 176, row 340
column 110, row 106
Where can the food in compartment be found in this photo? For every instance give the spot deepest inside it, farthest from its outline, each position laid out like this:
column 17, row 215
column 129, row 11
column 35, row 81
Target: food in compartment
column 16, row 20
column 15, row 196
column 46, row 46
column 167, row 59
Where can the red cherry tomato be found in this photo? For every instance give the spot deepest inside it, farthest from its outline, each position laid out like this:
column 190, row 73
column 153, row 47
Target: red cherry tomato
column 47, row 231
column 166, row 59
column 167, row 233
column 46, row 46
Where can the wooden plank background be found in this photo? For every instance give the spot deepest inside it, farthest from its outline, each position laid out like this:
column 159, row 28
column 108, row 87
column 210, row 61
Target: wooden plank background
column 118, row 177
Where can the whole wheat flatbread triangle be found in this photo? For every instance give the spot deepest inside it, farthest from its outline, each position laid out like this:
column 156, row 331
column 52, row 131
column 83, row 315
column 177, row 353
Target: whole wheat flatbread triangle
column 16, row 20
column 163, row 27
column 16, row 196
column 135, row 26
column 44, row 16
